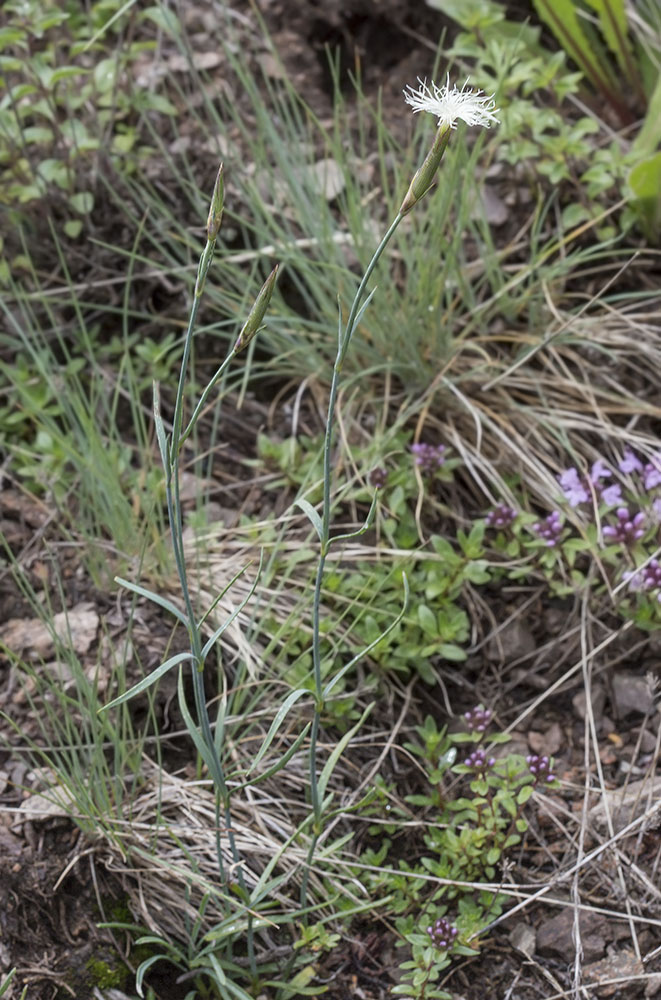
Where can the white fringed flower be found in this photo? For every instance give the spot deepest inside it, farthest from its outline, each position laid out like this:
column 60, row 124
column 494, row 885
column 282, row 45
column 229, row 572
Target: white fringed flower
column 451, row 104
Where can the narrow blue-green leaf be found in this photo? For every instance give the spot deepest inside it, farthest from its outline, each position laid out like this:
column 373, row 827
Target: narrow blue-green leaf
column 222, row 593
column 228, row 621
column 217, row 969
column 361, row 311
column 194, row 733
column 148, row 680
column 142, row 968
column 338, row 750
column 280, row 716
column 234, row 990
column 156, row 598
column 219, row 730
column 279, row 764
column 311, row 514
column 369, row 520
column 160, row 430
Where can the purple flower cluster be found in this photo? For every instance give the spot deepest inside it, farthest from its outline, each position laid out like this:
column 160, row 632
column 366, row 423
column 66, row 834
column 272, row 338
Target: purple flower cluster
column 479, row 762
column 647, row 578
column 540, row 768
column 650, row 471
column 578, row 490
column 442, row 933
column 478, row 718
column 627, row 530
column 550, row 528
column 501, row 516
column 428, row 457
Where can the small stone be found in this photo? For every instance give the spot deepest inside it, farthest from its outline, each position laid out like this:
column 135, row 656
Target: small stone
column 627, row 804
column 523, row 938
column 512, row 642
column 653, row 985
column 579, row 701
column 556, row 936
column 647, row 740
column 548, row 742
column 619, row 965
column 632, row 693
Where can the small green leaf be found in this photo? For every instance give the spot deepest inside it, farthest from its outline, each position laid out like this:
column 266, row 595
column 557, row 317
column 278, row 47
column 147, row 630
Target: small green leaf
column 105, row 74
column 451, row 652
column 83, row 202
column 427, row 620
column 311, row 514
column 65, row 73
column 73, row 228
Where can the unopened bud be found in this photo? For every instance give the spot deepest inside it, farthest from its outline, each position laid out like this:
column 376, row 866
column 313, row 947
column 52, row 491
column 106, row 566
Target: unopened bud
column 216, row 207
column 424, row 177
column 256, row 315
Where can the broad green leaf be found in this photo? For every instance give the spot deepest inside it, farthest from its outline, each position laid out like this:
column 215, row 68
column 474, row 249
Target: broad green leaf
column 54, row 172
column 164, row 18
column 38, row 133
column 561, row 17
column 65, row 73
column 615, row 29
column 105, row 74
column 73, row 228
column 427, row 621
column 83, row 202
column 645, row 185
column 649, row 137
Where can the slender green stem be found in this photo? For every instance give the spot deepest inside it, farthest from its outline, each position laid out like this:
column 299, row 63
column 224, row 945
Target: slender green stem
column 343, row 346
column 222, row 794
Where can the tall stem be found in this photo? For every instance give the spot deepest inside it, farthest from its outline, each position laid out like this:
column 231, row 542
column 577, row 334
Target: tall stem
column 343, row 346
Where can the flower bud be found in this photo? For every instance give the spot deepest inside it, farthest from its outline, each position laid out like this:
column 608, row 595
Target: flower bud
column 256, row 315
column 216, row 207
column 424, row 177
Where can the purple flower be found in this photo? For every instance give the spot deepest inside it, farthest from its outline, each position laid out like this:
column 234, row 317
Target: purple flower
column 478, row 718
column 428, row 457
column 501, row 516
column 634, row 578
column 628, row 529
column 652, row 472
column 651, row 576
column 550, row 528
column 599, row 471
column 479, row 762
column 577, row 490
column 630, row 463
column 573, row 488
column 540, row 768
column 442, row 933
column 612, row 495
